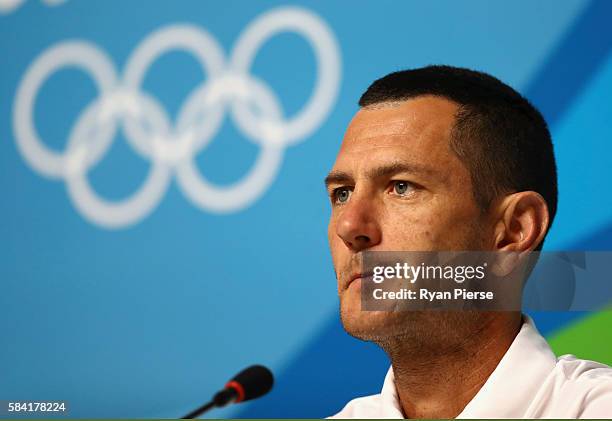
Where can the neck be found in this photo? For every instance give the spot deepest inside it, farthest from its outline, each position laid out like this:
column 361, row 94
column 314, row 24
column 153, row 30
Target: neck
column 439, row 381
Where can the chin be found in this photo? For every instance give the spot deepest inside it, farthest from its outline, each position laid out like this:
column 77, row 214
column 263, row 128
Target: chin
column 421, row 329
column 375, row 326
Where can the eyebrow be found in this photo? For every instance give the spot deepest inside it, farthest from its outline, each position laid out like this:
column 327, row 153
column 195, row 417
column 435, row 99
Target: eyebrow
column 342, row 177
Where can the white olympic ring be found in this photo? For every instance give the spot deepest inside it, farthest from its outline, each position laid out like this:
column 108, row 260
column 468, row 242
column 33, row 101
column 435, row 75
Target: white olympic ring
column 8, row 6
column 172, row 148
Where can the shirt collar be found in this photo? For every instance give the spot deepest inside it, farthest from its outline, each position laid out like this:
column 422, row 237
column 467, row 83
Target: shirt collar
column 508, row 391
column 389, row 401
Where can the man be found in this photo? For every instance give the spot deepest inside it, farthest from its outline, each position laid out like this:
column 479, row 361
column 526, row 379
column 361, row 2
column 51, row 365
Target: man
column 444, row 159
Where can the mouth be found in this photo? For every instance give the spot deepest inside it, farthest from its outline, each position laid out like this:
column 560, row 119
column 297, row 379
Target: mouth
column 357, row 276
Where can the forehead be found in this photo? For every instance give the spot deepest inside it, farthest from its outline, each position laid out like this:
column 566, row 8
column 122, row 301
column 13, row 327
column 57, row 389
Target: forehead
column 417, row 129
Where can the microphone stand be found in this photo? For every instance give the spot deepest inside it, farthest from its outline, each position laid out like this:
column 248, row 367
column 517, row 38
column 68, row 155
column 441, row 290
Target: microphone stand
column 199, row 411
column 222, row 398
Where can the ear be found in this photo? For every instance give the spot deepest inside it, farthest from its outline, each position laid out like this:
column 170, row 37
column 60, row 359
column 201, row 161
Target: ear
column 523, row 222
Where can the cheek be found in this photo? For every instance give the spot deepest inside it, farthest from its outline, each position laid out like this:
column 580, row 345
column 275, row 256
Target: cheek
column 428, row 228
column 411, row 232
column 331, row 233
column 333, row 241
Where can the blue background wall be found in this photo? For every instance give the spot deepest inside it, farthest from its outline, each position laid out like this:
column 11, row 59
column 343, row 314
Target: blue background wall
column 147, row 318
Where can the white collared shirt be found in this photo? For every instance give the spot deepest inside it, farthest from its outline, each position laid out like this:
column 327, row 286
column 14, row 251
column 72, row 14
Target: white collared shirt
column 528, row 382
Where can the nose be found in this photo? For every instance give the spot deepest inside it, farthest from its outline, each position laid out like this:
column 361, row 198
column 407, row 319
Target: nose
column 358, row 225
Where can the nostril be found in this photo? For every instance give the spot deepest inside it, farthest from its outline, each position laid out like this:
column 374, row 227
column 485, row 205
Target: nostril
column 359, row 242
column 362, row 239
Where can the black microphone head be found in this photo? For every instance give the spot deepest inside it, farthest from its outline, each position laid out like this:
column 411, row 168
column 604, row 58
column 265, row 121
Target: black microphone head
column 255, row 381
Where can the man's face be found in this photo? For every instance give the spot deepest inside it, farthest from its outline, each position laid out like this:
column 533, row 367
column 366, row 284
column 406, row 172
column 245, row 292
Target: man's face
column 397, row 185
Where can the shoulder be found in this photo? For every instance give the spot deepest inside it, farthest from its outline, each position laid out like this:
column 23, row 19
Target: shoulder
column 584, row 384
column 576, row 369
column 364, row 407
column 584, row 373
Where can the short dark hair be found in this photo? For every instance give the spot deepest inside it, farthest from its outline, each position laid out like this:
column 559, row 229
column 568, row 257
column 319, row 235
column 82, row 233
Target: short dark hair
column 502, row 139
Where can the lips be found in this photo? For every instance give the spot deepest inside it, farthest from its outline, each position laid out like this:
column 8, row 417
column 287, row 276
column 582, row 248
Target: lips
column 357, row 276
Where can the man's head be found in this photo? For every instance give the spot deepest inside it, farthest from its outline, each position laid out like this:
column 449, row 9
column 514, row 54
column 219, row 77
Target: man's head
column 438, row 158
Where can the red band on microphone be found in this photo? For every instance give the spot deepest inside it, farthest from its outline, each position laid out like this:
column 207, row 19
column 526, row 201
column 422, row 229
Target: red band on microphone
column 238, row 388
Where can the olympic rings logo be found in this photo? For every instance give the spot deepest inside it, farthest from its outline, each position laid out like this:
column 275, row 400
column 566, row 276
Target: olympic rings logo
column 9, row 6
column 172, row 147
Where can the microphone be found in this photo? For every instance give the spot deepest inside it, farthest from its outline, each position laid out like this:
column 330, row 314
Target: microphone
column 250, row 383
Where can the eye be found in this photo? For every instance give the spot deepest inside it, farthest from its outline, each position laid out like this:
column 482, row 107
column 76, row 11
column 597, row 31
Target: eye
column 341, row 194
column 402, row 187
